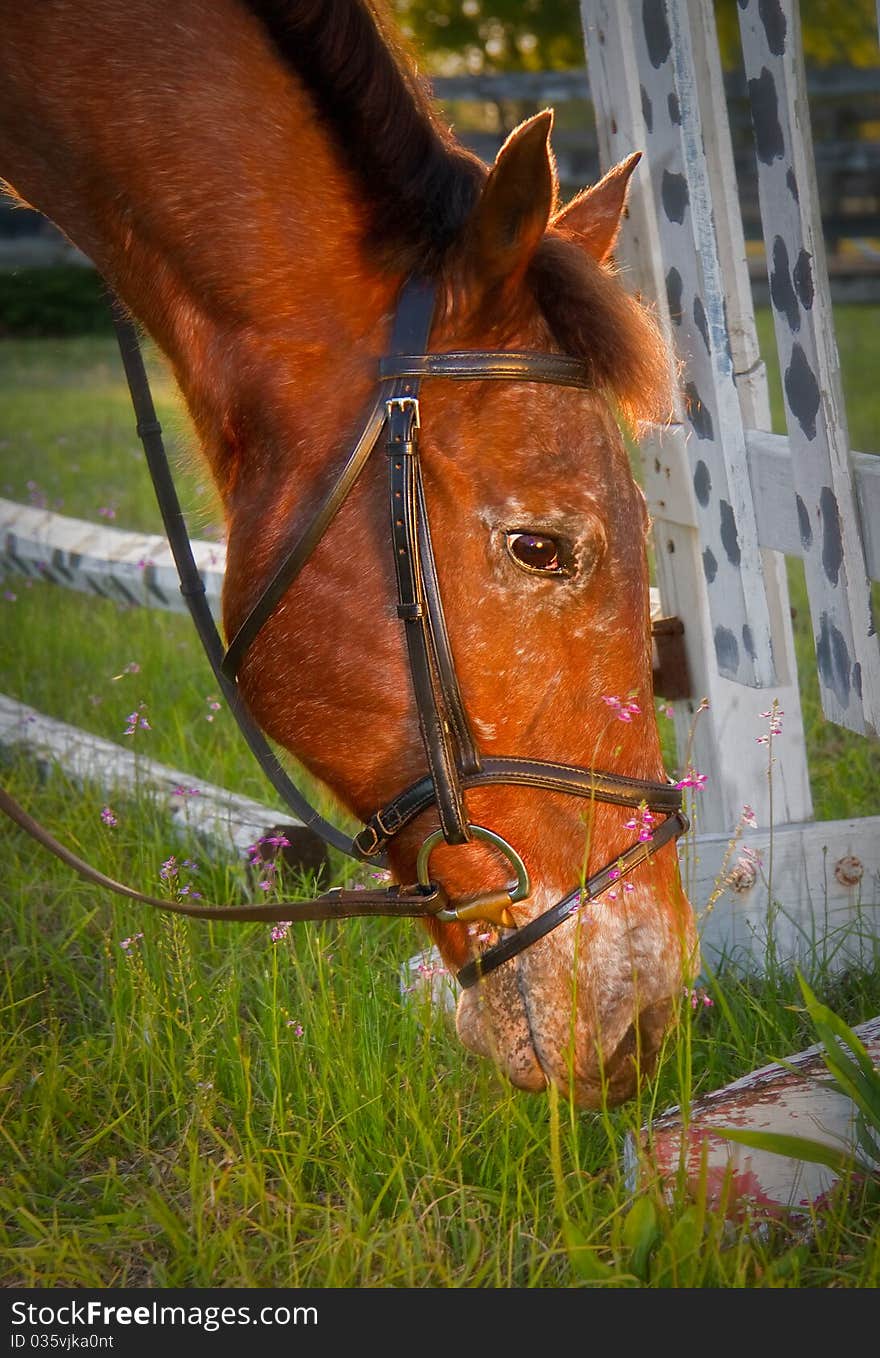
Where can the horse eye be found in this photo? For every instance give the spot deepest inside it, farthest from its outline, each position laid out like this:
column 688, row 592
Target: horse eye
column 539, row 553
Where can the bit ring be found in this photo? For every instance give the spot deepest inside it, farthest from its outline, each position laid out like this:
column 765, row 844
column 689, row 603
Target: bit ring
column 471, row 910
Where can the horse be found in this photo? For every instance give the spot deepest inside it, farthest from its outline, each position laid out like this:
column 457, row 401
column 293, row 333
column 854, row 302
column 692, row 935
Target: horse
column 260, row 182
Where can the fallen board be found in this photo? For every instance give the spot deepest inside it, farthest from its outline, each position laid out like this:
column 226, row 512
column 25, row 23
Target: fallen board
column 797, row 1098
column 228, row 822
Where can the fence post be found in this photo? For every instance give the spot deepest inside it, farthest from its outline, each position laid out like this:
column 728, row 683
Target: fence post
column 706, row 292
column 847, row 652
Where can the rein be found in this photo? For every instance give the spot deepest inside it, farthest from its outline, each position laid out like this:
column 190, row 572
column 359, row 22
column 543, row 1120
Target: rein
column 453, row 759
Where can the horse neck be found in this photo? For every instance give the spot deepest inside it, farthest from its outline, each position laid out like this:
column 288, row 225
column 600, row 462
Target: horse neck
column 197, row 180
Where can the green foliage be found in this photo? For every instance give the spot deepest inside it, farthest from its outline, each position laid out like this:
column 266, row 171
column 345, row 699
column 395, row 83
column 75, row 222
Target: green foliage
column 510, row 35
column 500, row 35
column 640, row 1235
column 833, row 34
column 63, row 300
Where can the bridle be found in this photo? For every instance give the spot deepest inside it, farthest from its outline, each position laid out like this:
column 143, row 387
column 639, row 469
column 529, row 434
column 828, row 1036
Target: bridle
column 454, row 763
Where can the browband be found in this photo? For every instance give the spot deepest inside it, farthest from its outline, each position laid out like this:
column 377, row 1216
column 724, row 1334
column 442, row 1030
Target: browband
column 489, row 365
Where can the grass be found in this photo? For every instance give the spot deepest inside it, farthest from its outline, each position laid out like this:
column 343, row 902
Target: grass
column 163, row 1120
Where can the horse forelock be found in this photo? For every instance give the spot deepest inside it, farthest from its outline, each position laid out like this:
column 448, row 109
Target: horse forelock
column 593, row 317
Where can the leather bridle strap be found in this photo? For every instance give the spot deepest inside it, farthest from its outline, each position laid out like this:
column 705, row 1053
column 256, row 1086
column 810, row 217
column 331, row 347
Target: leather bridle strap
column 297, row 555
column 614, row 788
column 446, row 736
column 467, row 756
column 487, row 365
column 412, row 321
column 527, row 934
column 435, row 690
column 192, row 586
column 338, row 903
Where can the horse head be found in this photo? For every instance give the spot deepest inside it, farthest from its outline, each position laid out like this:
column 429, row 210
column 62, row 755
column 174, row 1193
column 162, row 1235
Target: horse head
column 259, row 206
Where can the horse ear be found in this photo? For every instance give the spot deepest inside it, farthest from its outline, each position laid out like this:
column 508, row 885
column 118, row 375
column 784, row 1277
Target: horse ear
column 593, row 217
column 514, row 208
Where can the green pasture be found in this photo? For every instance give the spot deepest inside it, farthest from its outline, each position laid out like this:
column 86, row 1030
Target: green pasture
column 182, row 1103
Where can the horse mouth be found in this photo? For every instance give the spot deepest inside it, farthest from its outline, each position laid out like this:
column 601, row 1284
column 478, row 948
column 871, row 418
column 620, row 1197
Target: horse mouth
column 617, row 1073
column 589, row 1015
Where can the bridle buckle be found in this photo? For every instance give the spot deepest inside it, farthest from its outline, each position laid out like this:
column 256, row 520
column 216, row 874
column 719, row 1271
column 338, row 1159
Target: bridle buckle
column 404, row 418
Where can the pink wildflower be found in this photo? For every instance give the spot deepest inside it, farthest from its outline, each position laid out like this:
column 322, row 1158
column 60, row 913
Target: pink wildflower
column 108, row 816
column 642, row 824
column 137, row 719
column 624, row 711
column 693, row 779
column 698, row 998
column 773, row 717
column 131, row 668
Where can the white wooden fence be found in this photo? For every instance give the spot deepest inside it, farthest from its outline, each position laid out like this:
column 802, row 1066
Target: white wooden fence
column 728, row 499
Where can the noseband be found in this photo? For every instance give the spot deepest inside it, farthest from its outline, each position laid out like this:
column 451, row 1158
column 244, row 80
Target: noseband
column 454, row 763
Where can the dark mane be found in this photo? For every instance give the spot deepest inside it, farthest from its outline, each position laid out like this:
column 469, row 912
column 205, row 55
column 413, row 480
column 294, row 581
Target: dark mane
column 593, row 317
column 421, row 181
column 423, row 185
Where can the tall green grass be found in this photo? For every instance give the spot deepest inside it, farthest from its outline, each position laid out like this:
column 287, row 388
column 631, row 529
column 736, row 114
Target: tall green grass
column 204, row 1103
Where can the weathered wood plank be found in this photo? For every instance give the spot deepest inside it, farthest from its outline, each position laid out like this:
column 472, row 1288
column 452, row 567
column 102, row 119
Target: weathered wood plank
column 751, row 1186
column 847, row 649
column 195, row 807
column 822, row 903
column 133, row 569
column 674, row 90
column 772, row 476
column 776, row 515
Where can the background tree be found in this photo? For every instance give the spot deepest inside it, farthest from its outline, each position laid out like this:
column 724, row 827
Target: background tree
column 462, row 36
